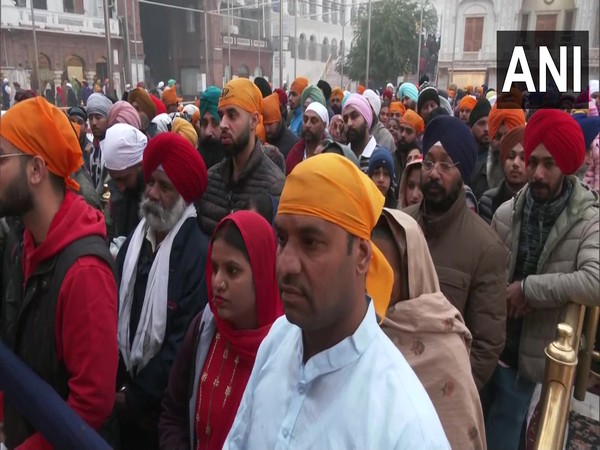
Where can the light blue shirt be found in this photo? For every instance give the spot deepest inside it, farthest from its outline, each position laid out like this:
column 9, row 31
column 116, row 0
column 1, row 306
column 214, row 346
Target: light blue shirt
column 296, row 123
column 359, row 394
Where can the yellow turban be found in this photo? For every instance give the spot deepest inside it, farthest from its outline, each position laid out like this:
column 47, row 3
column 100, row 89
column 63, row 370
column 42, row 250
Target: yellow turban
column 347, row 198
column 244, row 94
column 38, row 128
column 185, row 129
column 337, row 93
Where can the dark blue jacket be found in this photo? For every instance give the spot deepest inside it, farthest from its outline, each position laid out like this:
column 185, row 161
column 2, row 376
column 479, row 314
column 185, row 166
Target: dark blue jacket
column 187, row 296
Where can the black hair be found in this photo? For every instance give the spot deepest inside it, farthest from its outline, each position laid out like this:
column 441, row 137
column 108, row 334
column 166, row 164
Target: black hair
column 232, row 236
column 439, row 111
column 350, row 243
column 263, row 205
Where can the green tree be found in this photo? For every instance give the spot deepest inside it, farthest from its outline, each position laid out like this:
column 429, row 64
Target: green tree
column 394, row 40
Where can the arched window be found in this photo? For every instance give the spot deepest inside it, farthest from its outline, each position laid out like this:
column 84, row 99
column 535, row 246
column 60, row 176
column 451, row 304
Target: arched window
column 243, row 71
column 74, row 68
column 302, row 46
column 312, row 48
column 342, row 47
column 325, row 50
column 334, row 48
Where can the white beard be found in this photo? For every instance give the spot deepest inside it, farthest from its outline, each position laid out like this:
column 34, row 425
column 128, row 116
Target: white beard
column 158, row 218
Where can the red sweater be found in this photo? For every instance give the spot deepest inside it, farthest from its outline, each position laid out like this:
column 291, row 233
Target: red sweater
column 86, row 314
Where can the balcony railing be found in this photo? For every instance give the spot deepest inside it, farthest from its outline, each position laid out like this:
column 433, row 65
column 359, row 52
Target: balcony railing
column 20, row 17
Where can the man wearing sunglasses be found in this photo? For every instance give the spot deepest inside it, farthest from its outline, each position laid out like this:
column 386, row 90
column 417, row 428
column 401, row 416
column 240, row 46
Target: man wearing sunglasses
column 58, row 311
column 469, row 258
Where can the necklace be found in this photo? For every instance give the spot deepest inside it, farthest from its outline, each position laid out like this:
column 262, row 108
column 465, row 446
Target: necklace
column 215, row 384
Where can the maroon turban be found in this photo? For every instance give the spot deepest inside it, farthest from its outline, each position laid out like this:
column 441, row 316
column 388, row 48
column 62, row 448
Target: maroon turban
column 181, row 162
column 560, row 134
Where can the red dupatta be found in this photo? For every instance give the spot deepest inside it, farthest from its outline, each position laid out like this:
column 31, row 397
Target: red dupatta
column 259, row 238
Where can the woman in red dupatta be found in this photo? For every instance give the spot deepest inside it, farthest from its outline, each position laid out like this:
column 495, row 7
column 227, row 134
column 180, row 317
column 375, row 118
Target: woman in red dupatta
column 211, row 371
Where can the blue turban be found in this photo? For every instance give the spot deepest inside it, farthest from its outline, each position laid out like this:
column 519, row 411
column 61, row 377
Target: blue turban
column 382, row 157
column 457, row 140
column 209, row 101
column 408, row 90
column 590, row 127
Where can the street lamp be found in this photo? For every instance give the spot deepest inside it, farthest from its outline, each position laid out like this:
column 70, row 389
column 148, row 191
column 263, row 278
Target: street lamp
column 368, row 45
column 420, row 36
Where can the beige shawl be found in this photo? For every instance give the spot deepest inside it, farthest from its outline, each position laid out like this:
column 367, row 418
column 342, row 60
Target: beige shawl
column 433, row 338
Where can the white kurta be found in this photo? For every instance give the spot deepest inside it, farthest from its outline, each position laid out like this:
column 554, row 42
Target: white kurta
column 359, row 394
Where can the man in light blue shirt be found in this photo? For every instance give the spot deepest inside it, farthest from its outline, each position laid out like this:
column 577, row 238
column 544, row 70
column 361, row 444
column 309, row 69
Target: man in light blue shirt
column 326, row 376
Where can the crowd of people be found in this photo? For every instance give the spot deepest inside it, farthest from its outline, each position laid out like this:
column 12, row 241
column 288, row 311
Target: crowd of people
column 302, row 268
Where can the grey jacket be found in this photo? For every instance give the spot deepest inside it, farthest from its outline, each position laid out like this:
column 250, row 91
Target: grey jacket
column 382, row 136
column 567, row 271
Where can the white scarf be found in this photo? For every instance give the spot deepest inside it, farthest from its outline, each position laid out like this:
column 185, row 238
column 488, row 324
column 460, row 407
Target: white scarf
column 151, row 328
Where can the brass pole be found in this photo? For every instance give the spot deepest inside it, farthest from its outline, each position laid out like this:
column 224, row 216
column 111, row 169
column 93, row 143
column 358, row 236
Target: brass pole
column 561, row 361
column 586, row 353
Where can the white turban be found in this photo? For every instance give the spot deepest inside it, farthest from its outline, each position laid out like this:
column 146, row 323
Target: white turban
column 163, row 123
column 190, row 109
column 373, row 100
column 321, row 112
column 123, row 147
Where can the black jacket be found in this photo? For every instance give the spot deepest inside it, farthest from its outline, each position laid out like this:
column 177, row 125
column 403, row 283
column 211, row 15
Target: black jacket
column 187, row 295
column 492, row 199
column 285, row 140
column 224, row 195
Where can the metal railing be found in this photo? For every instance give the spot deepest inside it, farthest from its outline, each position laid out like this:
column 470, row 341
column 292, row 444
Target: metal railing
column 568, row 358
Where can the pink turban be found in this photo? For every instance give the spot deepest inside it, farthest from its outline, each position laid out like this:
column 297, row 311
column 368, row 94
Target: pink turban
column 361, row 104
column 124, row 112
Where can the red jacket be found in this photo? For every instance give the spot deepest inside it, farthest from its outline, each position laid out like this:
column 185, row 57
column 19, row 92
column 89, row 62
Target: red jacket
column 295, row 156
column 86, row 314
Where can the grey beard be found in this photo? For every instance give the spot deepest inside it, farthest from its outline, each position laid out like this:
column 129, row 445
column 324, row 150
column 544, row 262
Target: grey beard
column 494, row 171
column 158, row 218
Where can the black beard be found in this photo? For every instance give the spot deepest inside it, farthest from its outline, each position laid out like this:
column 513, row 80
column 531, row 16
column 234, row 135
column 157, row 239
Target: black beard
column 447, row 200
column 19, row 199
column 211, row 151
column 236, row 147
column 309, row 137
column 336, row 109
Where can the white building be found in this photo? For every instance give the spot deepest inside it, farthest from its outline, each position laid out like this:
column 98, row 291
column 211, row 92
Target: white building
column 468, row 32
column 316, row 33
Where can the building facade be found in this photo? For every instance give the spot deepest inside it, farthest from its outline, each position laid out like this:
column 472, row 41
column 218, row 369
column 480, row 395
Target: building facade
column 468, row 32
column 71, row 42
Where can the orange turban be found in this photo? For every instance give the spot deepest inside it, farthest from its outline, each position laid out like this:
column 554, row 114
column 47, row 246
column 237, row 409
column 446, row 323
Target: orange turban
column 39, row 128
column 144, row 102
column 414, row 120
column 244, row 94
column 183, row 128
column 360, row 89
column 510, row 117
column 169, row 96
column 397, row 107
column 299, row 85
column 196, row 117
column 337, row 93
column 467, row 102
column 347, row 198
column 509, row 140
column 271, row 110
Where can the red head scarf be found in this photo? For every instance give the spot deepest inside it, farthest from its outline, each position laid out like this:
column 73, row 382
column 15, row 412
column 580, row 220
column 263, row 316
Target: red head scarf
column 181, row 162
column 560, row 134
column 259, row 238
column 160, row 106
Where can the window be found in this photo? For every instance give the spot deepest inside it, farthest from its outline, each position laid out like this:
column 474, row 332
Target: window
column 473, row 34
column 68, row 6
column 325, row 12
column 190, row 22
column 325, row 50
column 313, row 9
column 545, row 22
column 312, row 48
column 292, row 7
column 40, row 4
column 569, row 19
column 334, row 12
column 524, row 21
column 302, row 46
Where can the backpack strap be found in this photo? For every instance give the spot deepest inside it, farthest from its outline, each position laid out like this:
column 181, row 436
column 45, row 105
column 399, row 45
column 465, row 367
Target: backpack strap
column 93, row 245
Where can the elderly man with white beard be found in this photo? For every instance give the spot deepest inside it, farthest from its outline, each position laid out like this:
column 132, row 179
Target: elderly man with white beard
column 161, row 267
